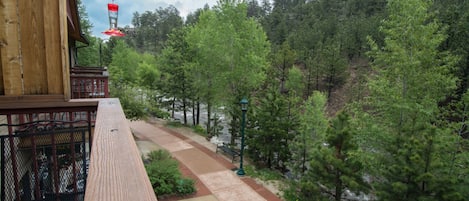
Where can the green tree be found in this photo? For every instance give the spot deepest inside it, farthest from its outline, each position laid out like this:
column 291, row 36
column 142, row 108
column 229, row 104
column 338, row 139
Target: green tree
column 282, row 61
column 312, row 129
column 231, row 57
column 413, row 77
column 268, row 139
column 455, row 15
column 334, row 65
column 333, row 163
column 152, row 29
column 87, row 55
column 175, row 62
column 126, row 78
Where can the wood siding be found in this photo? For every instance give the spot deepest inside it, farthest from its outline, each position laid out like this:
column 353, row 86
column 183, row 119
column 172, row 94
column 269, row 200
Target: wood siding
column 34, row 48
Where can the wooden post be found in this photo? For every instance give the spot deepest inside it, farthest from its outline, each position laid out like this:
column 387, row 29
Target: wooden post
column 52, row 47
column 64, row 49
column 10, row 49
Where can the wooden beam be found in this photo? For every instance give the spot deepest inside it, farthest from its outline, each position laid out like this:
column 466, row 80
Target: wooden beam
column 52, row 48
column 116, row 171
column 41, row 102
column 32, row 47
column 10, row 48
column 64, row 49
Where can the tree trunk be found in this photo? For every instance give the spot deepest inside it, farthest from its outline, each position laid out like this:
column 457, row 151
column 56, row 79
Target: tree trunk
column 193, row 113
column 338, row 186
column 184, row 110
column 308, row 86
column 173, row 107
column 209, row 134
column 198, row 113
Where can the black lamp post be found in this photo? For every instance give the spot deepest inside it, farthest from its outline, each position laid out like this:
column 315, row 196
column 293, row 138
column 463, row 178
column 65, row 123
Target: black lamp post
column 244, row 108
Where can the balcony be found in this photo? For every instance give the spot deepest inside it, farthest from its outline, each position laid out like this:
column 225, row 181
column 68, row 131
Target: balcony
column 77, row 150
column 89, row 82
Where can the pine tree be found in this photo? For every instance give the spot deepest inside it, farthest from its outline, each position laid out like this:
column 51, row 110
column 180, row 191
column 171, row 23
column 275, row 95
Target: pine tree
column 312, row 129
column 413, row 77
column 334, row 168
column 268, row 140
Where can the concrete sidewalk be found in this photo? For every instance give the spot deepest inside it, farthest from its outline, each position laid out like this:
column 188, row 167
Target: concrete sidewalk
column 214, row 171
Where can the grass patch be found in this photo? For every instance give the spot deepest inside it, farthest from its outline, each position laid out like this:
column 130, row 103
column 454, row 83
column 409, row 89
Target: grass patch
column 263, row 174
column 199, row 130
column 174, row 123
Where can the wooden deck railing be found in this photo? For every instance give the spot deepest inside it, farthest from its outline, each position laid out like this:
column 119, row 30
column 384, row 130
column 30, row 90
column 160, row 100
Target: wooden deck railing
column 116, row 170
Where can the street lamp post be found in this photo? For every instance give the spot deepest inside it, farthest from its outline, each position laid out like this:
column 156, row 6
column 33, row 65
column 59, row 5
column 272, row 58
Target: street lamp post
column 244, row 108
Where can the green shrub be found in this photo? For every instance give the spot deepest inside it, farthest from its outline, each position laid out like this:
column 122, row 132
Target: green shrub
column 157, row 112
column 164, row 175
column 174, row 123
column 200, row 130
column 158, row 155
column 264, row 174
column 185, row 187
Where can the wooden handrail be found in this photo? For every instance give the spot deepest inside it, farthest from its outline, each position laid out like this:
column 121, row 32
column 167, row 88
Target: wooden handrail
column 116, row 171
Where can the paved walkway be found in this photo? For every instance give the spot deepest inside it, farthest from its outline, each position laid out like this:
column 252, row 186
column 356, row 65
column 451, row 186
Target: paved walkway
column 218, row 181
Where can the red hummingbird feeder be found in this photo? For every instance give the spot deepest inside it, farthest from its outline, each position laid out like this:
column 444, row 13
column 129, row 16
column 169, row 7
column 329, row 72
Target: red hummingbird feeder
column 113, row 10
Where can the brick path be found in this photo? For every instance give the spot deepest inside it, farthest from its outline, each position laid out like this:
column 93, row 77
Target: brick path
column 213, row 173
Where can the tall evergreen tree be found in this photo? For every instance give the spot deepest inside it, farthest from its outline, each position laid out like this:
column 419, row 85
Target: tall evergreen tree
column 176, row 82
column 334, row 166
column 268, row 139
column 312, row 129
column 413, row 77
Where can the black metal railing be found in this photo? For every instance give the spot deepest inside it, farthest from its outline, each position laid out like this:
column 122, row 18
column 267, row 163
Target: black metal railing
column 44, row 160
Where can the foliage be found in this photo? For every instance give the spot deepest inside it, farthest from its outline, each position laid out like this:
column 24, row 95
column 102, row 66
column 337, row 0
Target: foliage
column 185, row 187
column 151, row 29
column 164, row 175
column 87, row 55
column 311, row 133
column 174, row 123
column 175, row 81
column 269, row 137
column 230, row 56
column 334, row 167
column 157, row 112
column 413, row 77
column 130, row 74
column 334, row 65
column 454, row 14
column 264, row 174
column 200, row 130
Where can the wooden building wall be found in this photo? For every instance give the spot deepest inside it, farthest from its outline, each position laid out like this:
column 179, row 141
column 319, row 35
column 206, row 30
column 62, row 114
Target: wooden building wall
column 34, row 56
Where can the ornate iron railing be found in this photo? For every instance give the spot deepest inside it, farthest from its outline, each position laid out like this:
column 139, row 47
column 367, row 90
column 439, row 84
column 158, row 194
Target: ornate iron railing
column 44, row 153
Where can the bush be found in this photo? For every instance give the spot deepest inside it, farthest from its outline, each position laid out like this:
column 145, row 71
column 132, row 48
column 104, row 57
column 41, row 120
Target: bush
column 185, row 187
column 158, row 155
column 164, row 175
column 200, row 130
column 157, row 112
column 264, row 173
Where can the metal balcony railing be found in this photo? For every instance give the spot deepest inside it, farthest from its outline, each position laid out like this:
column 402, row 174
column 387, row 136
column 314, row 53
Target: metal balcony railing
column 45, row 154
column 89, row 82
